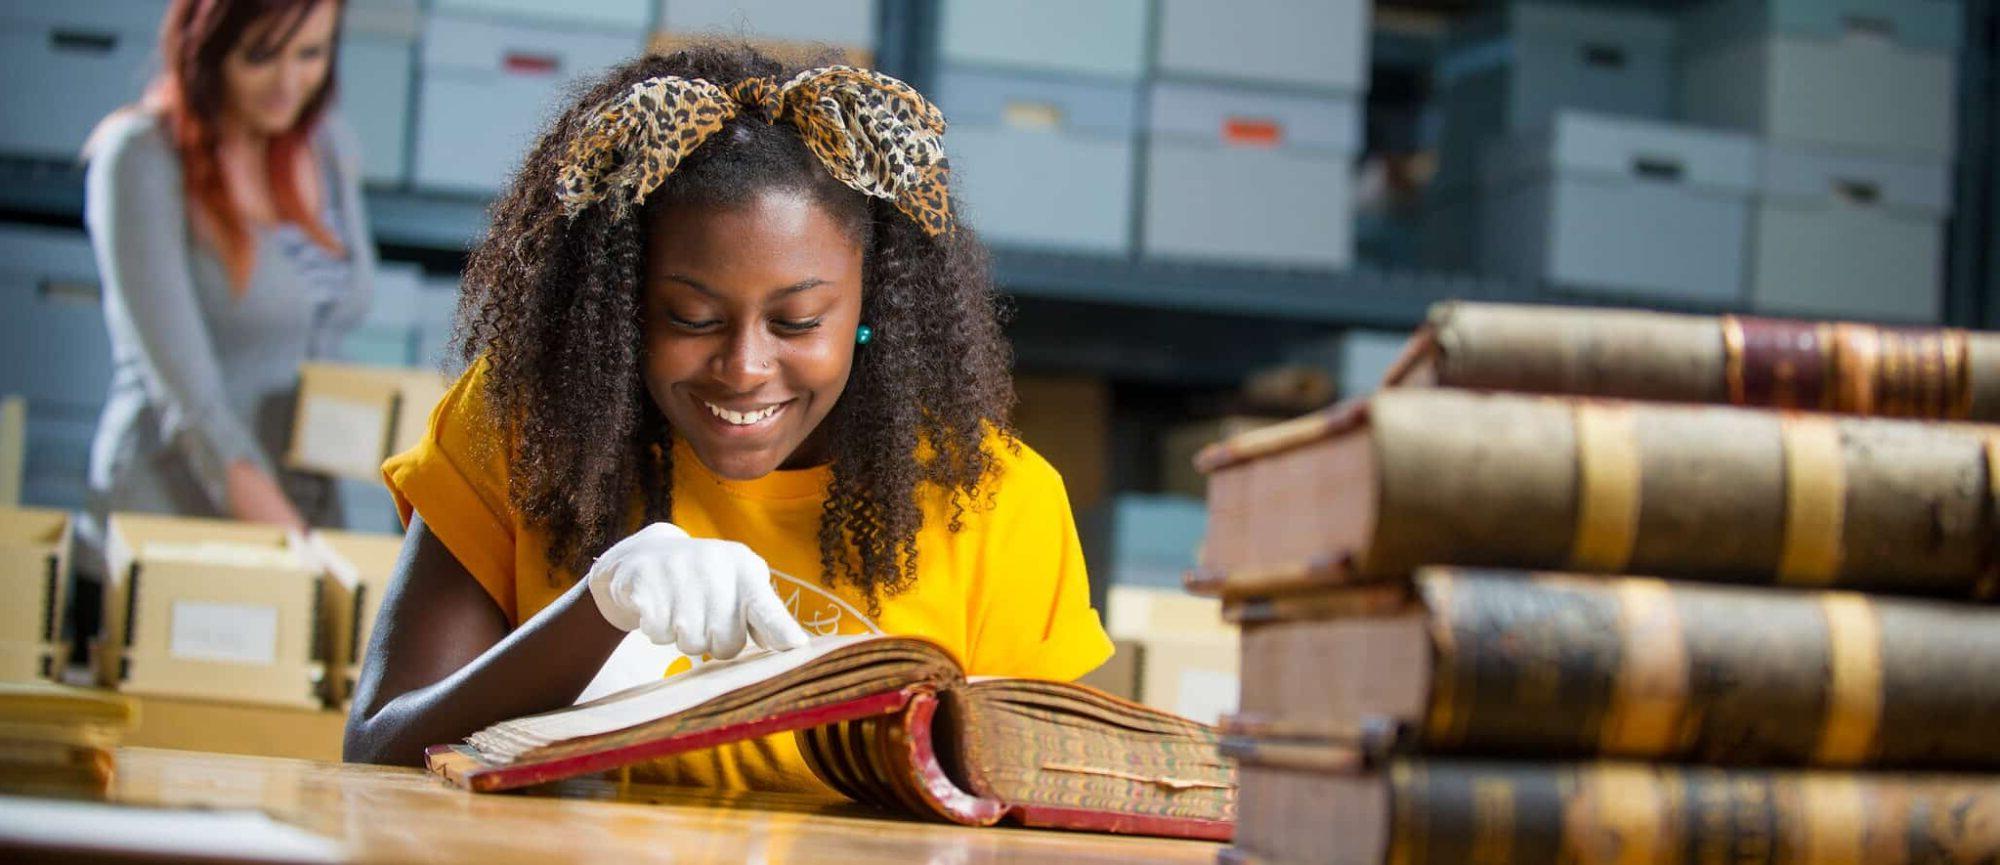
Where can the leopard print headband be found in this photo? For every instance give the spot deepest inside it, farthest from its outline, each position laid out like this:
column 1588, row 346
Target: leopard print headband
column 873, row 132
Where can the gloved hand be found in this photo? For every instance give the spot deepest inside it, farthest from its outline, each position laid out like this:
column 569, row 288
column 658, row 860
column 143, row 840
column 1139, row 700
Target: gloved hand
column 699, row 595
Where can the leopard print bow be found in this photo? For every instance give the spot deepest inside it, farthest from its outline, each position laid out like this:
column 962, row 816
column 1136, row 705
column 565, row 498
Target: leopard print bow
column 873, row 133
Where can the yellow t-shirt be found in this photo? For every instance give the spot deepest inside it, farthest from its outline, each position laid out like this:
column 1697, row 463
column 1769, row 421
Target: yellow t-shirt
column 1006, row 594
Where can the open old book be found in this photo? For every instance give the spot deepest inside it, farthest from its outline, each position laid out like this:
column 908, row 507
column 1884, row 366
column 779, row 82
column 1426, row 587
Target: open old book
column 893, row 721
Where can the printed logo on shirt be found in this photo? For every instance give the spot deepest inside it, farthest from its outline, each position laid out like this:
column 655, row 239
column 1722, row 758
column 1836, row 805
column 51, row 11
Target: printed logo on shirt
column 821, row 612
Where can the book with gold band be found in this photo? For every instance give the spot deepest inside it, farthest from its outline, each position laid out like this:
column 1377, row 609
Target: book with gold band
column 1311, row 803
column 1846, row 367
column 1505, row 662
column 892, row 721
column 1370, row 490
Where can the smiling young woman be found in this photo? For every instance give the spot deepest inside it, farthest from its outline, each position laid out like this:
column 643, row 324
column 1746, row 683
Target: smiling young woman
column 225, row 212
column 734, row 376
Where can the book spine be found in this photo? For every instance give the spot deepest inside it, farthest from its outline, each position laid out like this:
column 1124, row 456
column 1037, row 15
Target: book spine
column 1943, row 373
column 1448, row 812
column 1631, row 813
column 1618, row 353
column 1644, row 668
column 1804, row 500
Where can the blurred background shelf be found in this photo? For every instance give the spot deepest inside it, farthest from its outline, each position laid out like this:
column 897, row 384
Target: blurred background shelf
column 436, row 228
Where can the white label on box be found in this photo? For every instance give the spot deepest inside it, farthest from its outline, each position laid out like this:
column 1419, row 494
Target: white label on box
column 234, row 633
column 340, row 433
column 1206, row 695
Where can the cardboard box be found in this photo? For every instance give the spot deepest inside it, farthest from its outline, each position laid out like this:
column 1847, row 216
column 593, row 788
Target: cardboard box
column 1067, row 419
column 1855, row 76
column 1103, row 39
column 1119, row 676
column 351, row 418
column 1303, row 44
column 34, row 569
column 378, row 50
column 1622, row 207
column 68, row 65
column 1850, row 236
column 487, row 86
column 1240, row 174
column 1194, row 677
column 1187, row 655
column 1178, row 447
column 1076, row 136
column 358, row 592
column 793, row 52
column 13, row 448
column 602, row 15
column 1141, row 613
column 212, row 609
column 835, row 22
column 237, row 728
column 1197, row 677
column 1509, row 72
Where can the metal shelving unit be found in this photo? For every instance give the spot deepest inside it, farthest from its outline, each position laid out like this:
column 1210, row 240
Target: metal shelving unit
column 1360, row 297
column 1365, row 296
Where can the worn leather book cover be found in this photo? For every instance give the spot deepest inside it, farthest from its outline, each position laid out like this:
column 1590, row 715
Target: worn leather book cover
column 1846, row 367
column 892, row 721
column 1370, row 490
column 1559, row 665
column 1314, row 804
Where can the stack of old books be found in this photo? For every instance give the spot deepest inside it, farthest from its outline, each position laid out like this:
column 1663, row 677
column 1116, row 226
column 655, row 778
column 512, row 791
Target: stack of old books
column 1596, row 586
column 57, row 740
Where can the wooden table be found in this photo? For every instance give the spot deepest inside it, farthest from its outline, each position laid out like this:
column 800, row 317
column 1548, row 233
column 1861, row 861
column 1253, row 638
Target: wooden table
column 379, row 814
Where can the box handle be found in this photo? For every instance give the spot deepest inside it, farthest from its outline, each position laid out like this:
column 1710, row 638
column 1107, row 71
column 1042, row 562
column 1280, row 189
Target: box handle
column 68, row 290
column 1662, row 168
column 1870, row 26
column 52, row 588
column 1252, row 131
column 1599, row 55
column 530, row 63
column 1859, row 192
column 354, row 630
column 83, row 41
column 1031, row 115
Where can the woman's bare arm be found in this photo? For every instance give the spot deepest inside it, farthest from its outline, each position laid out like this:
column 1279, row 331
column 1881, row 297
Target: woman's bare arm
column 442, row 663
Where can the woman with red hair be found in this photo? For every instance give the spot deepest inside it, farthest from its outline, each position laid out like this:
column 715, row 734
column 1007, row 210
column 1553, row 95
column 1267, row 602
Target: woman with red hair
column 227, row 221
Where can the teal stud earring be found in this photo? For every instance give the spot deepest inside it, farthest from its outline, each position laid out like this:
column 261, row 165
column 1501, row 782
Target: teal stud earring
column 863, row 334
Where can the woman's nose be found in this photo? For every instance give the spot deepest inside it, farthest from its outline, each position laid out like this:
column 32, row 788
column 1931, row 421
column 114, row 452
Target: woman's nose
column 746, row 360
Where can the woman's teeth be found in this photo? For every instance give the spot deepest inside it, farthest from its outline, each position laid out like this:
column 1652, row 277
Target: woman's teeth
column 740, row 418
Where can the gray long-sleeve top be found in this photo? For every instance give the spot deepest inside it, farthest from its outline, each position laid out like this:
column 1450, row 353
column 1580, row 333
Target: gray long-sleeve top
column 202, row 377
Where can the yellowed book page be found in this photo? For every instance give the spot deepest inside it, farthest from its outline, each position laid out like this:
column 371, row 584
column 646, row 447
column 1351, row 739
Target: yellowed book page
column 650, row 701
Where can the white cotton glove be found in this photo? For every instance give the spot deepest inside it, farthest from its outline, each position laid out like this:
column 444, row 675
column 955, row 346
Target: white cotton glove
column 701, row 596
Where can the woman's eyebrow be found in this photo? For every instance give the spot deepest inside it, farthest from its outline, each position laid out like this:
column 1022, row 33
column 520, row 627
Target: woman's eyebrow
column 794, row 288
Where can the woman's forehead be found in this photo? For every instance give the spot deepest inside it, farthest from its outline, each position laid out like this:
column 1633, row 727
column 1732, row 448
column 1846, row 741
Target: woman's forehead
column 771, row 241
column 282, row 27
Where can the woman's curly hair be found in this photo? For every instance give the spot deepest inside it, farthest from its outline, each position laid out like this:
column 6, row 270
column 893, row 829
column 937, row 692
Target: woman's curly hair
column 553, row 306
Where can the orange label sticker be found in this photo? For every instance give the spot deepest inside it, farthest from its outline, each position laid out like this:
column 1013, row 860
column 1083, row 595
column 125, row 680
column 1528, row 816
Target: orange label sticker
column 1252, row 131
column 524, row 63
